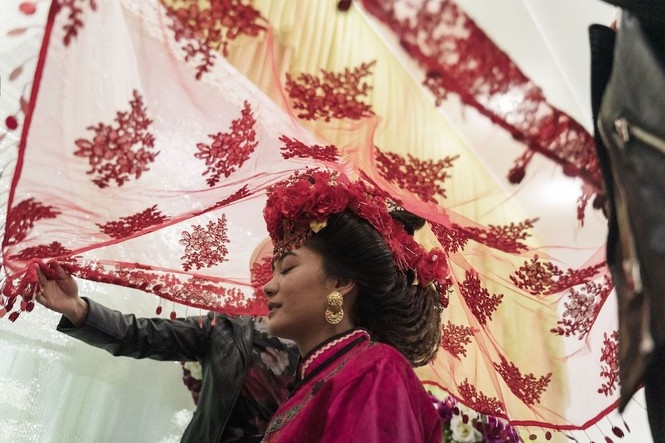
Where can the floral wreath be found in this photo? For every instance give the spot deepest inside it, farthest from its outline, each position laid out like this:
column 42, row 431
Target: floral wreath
column 301, row 204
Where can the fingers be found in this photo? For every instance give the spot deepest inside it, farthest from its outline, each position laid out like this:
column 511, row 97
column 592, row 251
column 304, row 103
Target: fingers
column 47, row 276
column 51, row 271
column 60, row 272
column 47, row 271
column 39, row 295
column 41, row 278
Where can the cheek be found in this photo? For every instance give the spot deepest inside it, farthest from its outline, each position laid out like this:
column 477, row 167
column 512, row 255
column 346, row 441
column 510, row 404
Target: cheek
column 305, row 308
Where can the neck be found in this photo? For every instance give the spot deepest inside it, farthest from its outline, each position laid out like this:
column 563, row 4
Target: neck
column 306, row 344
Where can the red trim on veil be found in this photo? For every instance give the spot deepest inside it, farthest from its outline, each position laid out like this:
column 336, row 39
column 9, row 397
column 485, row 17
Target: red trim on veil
column 457, row 57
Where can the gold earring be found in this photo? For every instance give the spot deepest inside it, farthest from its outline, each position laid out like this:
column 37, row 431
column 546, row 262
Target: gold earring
column 334, row 311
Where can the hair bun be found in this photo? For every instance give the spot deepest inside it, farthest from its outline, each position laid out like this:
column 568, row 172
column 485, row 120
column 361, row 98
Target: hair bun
column 410, row 221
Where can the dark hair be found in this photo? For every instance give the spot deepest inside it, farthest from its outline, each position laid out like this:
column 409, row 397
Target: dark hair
column 389, row 306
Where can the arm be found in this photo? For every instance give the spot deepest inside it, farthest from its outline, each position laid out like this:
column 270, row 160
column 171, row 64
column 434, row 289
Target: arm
column 129, row 336
column 117, row 333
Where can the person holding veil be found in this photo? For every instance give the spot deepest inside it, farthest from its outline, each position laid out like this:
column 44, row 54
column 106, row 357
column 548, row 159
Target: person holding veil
column 245, row 371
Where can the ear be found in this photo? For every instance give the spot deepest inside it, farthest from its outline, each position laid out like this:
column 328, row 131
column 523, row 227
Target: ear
column 345, row 286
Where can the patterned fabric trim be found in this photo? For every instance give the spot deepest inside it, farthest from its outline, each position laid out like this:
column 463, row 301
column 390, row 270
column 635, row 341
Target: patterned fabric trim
column 318, row 356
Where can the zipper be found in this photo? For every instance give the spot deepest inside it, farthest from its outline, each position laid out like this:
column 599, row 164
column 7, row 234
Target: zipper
column 625, row 130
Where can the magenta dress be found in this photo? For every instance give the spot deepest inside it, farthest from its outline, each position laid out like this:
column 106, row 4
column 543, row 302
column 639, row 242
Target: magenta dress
column 350, row 389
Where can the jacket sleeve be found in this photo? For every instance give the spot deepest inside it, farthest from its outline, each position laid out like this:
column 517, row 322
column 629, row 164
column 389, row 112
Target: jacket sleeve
column 156, row 338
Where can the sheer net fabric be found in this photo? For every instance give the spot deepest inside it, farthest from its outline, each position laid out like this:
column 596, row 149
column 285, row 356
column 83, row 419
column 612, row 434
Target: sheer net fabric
column 154, row 128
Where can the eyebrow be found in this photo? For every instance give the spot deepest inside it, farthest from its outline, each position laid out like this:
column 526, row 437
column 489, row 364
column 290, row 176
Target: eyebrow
column 281, row 258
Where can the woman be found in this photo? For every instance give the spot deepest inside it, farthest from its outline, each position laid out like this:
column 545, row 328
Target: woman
column 362, row 301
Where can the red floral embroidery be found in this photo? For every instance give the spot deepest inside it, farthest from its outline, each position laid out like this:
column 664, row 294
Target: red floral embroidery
column 229, row 150
column 205, row 247
column 261, row 273
column 527, row 387
column 540, row 278
column 333, row 95
column 453, row 240
column 460, row 58
column 504, row 238
column 239, row 194
column 296, row 148
column 117, row 153
column 480, row 402
column 610, row 363
column 74, row 13
column 424, row 178
column 481, row 303
column 454, row 338
column 195, row 291
column 22, row 217
column 12, row 289
column 162, row 285
column 237, row 298
column 208, row 27
column 55, row 249
column 582, row 308
column 201, row 291
column 127, row 226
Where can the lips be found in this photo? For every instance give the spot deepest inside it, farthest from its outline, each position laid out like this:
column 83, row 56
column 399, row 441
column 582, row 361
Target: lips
column 272, row 306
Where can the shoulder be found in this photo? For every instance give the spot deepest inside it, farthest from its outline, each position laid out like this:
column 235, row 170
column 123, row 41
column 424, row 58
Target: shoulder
column 221, row 321
column 228, row 331
column 381, row 375
column 382, row 353
column 377, row 361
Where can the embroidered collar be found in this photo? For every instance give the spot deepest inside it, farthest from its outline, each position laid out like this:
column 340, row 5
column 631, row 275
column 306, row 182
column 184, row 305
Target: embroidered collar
column 327, row 352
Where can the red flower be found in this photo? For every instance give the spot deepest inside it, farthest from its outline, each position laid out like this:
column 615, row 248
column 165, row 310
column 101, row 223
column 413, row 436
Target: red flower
column 328, row 201
column 432, row 267
column 301, row 199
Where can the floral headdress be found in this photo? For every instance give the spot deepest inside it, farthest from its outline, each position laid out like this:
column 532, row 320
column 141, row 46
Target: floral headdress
column 301, row 205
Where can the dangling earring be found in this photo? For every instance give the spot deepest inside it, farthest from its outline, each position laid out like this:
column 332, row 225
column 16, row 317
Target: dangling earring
column 334, row 311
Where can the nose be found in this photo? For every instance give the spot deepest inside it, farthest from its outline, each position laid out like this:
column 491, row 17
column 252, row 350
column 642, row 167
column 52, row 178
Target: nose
column 270, row 288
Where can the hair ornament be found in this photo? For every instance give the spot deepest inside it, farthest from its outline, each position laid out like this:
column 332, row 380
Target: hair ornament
column 316, row 225
column 300, row 205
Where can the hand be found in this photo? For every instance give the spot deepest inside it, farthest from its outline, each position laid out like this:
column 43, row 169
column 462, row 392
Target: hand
column 59, row 293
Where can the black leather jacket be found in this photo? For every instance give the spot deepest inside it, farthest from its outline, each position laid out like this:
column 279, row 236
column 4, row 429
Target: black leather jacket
column 223, row 350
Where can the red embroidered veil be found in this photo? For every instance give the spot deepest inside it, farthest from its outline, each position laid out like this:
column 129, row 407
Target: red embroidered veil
column 151, row 129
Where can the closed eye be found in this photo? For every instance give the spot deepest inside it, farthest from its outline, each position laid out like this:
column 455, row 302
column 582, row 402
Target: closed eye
column 279, row 262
